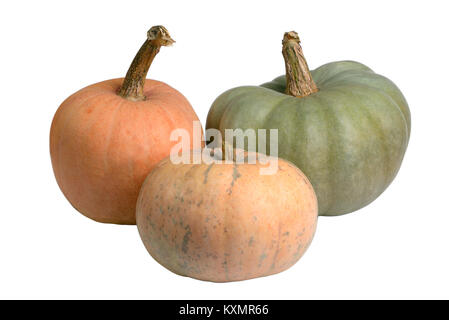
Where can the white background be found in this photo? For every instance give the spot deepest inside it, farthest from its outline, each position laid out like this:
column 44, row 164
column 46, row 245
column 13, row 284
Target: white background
column 397, row 247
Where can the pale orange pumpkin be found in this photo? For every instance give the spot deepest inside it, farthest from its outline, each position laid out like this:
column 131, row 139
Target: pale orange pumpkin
column 226, row 222
column 106, row 138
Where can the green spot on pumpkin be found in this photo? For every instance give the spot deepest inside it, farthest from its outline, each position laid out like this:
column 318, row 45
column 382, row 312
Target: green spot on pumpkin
column 235, row 176
column 186, row 239
column 206, row 172
column 262, row 257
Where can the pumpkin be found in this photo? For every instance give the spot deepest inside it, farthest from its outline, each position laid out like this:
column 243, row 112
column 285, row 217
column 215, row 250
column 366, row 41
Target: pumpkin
column 225, row 222
column 346, row 127
column 106, row 138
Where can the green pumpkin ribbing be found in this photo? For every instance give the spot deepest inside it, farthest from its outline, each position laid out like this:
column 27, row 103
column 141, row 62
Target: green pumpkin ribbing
column 349, row 138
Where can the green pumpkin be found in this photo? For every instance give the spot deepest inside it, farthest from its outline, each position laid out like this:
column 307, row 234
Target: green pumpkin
column 349, row 137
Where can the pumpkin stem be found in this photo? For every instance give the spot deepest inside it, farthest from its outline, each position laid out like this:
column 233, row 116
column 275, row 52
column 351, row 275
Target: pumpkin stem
column 132, row 87
column 227, row 149
column 299, row 80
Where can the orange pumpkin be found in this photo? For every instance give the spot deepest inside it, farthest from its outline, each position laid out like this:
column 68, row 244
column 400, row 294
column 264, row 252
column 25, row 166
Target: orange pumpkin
column 226, row 222
column 106, row 138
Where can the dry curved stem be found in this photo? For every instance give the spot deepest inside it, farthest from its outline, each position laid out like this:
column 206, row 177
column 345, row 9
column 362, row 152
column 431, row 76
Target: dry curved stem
column 132, row 87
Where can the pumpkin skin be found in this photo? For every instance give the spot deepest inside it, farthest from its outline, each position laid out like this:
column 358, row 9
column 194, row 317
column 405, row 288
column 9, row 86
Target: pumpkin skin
column 226, row 222
column 349, row 138
column 103, row 146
